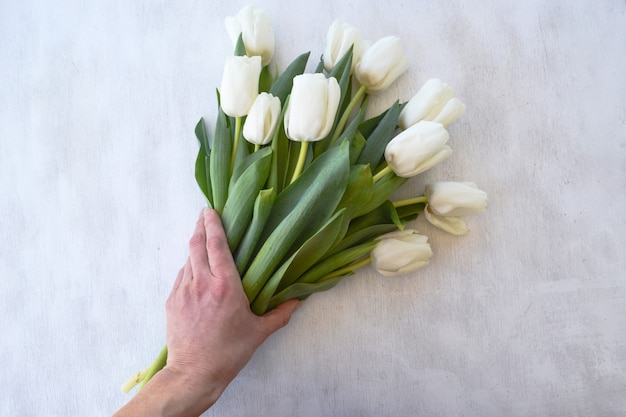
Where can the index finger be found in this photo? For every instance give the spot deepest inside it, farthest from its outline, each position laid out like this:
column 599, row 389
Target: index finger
column 221, row 261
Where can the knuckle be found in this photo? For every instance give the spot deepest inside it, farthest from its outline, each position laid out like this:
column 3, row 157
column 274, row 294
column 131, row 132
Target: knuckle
column 196, row 239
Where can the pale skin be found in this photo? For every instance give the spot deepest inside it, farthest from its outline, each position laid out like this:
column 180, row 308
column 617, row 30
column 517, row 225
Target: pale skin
column 211, row 331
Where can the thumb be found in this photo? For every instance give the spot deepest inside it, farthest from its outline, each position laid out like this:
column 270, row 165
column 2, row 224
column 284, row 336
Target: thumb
column 279, row 317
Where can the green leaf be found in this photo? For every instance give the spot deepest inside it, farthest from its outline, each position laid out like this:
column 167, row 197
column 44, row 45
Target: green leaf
column 240, row 48
column 260, row 303
column 246, row 159
column 220, row 160
column 282, row 86
column 377, row 141
column 280, row 153
column 357, row 237
column 298, row 213
column 410, row 212
column 238, row 208
column 335, row 262
column 356, row 147
column 381, row 192
column 265, row 79
column 320, row 65
column 302, row 291
column 262, row 208
column 201, row 161
column 313, row 249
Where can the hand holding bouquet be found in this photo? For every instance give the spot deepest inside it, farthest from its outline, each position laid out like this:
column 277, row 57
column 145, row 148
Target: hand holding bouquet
column 303, row 180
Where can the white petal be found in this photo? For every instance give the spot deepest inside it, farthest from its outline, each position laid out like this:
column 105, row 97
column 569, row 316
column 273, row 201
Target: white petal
column 453, row 225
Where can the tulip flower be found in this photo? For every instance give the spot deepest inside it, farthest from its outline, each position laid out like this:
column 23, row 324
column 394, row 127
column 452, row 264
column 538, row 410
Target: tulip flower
column 434, row 101
column 312, row 107
column 448, row 200
column 256, row 31
column 401, row 252
column 310, row 114
column 342, row 36
column 381, row 64
column 240, row 84
column 262, row 120
column 417, row 149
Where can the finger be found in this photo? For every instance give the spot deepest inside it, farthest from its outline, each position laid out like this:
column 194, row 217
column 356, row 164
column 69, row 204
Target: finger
column 278, row 317
column 179, row 279
column 197, row 250
column 221, row 261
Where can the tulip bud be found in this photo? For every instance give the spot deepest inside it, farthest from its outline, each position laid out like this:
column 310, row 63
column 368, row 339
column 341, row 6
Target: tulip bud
column 434, row 101
column 381, row 64
column 342, row 36
column 448, row 200
column 262, row 119
column 312, row 107
column 256, row 31
column 401, row 252
column 417, row 149
column 240, row 84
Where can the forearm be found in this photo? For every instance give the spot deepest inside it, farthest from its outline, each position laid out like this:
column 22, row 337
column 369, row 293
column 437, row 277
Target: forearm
column 170, row 394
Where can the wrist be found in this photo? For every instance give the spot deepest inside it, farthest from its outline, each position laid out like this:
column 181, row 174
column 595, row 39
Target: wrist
column 171, row 393
column 182, row 394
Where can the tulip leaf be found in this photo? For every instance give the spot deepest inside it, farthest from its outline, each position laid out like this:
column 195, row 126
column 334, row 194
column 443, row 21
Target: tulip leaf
column 201, row 168
column 265, row 79
column 313, row 249
column 363, row 235
column 240, row 204
column 356, row 147
column 262, row 208
column 320, row 65
column 358, row 192
column 245, row 162
column 240, row 47
column 377, row 141
column 384, row 213
column 382, row 190
column 220, row 160
column 299, row 211
column 282, row 86
column 302, row 291
column 280, row 153
column 336, row 262
column 410, row 212
column 260, row 303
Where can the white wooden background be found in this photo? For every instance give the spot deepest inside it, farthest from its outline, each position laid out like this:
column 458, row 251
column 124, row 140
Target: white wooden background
column 524, row 316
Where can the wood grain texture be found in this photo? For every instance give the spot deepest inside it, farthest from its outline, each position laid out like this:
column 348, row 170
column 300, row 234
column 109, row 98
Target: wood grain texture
column 524, row 316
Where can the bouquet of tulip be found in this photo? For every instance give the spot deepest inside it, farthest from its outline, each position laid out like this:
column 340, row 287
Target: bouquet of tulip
column 303, row 180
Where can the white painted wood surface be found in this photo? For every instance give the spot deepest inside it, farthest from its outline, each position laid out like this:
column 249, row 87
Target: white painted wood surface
column 524, row 316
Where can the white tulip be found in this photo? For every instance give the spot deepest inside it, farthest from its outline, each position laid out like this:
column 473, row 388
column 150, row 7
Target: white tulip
column 240, row 84
column 434, row 101
column 401, row 252
column 312, row 107
column 417, row 149
column 447, row 200
column 256, row 31
column 381, row 64
column 342, row 36
column 262, row 120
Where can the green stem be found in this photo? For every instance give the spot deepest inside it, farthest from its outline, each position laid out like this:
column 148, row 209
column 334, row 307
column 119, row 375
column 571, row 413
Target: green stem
column 347, row 268
column 409, row 201
column 257, row 147
column 236, row 142
column 156, row 366
column 386, row 170
column 346, row 114
column 304, row 146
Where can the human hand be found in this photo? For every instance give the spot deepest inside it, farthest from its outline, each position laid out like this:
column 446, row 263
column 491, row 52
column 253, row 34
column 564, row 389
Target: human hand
column 211, row 331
